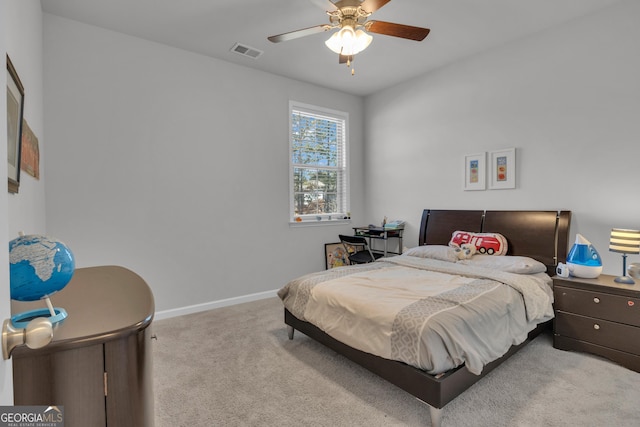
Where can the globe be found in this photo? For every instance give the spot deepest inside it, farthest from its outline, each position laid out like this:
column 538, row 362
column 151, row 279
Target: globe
column 39, row 266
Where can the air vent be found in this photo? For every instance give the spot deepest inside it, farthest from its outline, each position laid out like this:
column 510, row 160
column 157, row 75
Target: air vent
column 245, row 50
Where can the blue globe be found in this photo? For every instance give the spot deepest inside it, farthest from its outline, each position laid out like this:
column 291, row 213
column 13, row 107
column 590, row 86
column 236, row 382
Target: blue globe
column 39, row 266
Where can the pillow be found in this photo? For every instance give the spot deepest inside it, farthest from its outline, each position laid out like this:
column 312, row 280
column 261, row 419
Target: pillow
column 485, row 243
column 441, row 252
column 507, row 263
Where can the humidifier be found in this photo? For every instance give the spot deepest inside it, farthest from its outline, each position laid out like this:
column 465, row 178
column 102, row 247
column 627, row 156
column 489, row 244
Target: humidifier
column 584, row 260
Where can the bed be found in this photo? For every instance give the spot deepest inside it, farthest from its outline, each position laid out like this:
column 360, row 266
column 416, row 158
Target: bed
column 342, row 309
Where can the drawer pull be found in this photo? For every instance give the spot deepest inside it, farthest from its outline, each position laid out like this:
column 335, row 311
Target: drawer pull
column 596, row 300
column 596, row 326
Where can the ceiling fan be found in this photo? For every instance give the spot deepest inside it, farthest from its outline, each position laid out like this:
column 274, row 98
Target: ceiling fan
column 351, row 16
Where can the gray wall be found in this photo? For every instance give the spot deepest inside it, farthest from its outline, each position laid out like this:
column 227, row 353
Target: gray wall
column 21, row 39
column 6, row 380
column 568, row 100
column 176, row 165
column 27, row 210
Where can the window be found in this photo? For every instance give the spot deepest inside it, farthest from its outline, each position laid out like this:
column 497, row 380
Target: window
column 318, row 164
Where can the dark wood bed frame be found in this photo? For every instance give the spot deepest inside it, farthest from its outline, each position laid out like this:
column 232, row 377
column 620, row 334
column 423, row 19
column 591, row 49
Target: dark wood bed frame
column 542, row 235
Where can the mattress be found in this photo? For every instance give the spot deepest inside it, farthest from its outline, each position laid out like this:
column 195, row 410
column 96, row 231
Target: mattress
column 434, row 315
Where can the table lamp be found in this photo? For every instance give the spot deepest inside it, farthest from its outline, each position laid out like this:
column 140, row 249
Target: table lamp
column 625, row 242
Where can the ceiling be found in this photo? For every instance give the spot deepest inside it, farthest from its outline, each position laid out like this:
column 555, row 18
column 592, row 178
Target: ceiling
column 459, row 28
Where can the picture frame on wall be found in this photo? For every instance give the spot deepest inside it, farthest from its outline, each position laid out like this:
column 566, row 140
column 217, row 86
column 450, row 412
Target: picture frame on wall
column 15, row 110
column 503, row 169
column 475, row 172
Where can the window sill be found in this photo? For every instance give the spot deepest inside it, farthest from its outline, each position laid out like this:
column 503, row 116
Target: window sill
column 321, row 223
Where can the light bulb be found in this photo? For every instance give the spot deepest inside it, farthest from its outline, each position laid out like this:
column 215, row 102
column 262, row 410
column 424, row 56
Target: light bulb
column 348, row 42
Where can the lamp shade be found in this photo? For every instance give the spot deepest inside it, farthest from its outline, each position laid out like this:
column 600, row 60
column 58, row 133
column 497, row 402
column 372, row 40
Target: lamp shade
column 625, row 241
column 348, row 42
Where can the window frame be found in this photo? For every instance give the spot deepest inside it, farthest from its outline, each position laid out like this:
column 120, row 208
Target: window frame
column 343, row 216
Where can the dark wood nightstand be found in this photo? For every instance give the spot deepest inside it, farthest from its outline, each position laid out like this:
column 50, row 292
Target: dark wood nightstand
column 598, row 316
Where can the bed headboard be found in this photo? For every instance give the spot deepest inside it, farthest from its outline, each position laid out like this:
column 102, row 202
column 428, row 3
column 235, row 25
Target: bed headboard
column 542, row 235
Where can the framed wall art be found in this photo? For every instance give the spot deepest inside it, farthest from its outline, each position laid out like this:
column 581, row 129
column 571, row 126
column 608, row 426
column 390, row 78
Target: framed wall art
column 335, row 255
column 502, row 169
column 15, row 109
column 474, row 172
column 29, row 152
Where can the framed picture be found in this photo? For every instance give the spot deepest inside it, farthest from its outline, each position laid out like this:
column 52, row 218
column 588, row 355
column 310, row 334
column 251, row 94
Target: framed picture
column 15, row 108
column 474, row 171
column 335, row 255
column 503, row 169
column 29, row 152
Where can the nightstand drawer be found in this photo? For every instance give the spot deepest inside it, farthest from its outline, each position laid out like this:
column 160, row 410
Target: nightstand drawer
column 597, row 331
column 596, row 304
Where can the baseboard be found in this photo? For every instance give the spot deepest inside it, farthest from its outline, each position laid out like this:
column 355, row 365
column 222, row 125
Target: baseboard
column 166, row 314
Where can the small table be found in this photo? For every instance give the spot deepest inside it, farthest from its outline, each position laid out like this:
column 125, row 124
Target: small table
column 98, row 365
column 598, row 316
column 383, row 233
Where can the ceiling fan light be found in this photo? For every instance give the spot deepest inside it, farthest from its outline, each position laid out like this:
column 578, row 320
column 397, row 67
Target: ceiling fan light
column 348, row 42
column 363, row 40
column 335, row 43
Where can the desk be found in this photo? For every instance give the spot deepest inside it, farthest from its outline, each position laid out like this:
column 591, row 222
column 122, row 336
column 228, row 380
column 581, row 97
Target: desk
column 381, row 233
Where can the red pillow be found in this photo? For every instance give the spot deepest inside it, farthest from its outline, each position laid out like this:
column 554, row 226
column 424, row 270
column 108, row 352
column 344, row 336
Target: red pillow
column 485, row 243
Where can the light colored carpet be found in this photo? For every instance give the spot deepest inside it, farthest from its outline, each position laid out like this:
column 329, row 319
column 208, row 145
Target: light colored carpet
column 235, row 366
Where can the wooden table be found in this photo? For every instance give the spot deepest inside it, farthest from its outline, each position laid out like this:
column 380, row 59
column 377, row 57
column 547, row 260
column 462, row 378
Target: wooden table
column 98, row 365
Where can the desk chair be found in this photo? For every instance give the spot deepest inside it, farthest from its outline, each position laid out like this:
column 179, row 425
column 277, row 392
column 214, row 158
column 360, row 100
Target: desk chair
column 363, row 253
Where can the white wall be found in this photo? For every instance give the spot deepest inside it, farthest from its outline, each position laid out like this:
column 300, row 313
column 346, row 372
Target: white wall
column 6, row 379
column 21, row 39
column 176, row 165
column 568, row 99
column 24, row 46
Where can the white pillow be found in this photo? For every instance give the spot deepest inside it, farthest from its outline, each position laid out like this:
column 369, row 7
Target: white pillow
column 506, row 263
column 441, row 252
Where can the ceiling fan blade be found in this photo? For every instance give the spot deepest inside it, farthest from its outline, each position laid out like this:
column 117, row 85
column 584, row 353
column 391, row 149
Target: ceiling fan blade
column 373, row 5
column 299, row 33
column 342, row 59
column 397, row 30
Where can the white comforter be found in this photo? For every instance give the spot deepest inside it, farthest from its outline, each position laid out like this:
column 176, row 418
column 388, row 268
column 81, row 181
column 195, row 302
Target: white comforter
column 431, row 314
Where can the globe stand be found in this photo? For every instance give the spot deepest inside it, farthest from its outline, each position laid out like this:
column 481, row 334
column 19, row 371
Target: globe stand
column 55, row 315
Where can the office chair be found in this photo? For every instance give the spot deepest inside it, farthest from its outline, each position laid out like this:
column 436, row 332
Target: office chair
column 358, row 249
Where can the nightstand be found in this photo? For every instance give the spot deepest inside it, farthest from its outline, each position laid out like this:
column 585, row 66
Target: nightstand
column 598, row 316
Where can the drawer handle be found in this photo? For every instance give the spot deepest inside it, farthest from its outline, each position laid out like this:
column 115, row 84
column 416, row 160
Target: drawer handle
column 596, row 300
column 596, row 326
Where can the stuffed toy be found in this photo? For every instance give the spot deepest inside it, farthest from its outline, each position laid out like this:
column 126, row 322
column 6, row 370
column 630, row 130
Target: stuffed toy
column 465, row 250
